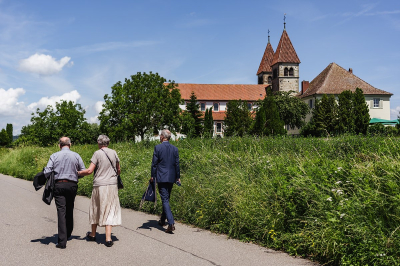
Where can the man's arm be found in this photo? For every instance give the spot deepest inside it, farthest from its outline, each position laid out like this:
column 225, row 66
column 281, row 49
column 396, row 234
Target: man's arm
column 177, row 167
column 49, row 167
column 154, row 163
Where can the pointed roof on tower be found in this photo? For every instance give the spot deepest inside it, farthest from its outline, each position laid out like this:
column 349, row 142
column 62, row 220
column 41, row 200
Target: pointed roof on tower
column 285, row 52
column 265, row 65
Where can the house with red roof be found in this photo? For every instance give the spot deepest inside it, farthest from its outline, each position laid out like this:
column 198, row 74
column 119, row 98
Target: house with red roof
column 280, row 71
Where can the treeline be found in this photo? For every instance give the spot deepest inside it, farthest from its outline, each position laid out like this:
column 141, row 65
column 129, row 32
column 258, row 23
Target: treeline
column 6, row 135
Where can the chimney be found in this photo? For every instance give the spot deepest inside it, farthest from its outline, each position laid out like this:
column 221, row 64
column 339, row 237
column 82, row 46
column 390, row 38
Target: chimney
column 351, row 70
column 304, row 86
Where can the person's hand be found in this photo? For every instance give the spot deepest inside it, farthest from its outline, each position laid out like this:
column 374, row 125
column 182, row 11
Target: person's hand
column 151, row 179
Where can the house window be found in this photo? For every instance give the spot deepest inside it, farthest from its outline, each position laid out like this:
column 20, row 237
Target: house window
column 291, row 72
column 219, row 127
column 310, row 103
column 202, row 107
column 286, row 72
column 216, row 107
column 249, row 106
column 376, row 102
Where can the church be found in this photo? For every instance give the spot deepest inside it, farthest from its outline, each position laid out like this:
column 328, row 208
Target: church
column 279, row 70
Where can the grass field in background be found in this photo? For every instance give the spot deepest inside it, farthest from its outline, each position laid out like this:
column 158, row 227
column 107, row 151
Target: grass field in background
column 336, row 200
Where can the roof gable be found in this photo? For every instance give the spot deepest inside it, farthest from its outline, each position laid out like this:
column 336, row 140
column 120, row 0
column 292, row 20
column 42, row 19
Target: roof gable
column 265, row 65
column 285, row 52
column 334, row 80
column 222, row 92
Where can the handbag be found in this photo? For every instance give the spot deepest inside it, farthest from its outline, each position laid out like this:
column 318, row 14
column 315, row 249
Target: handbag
column 120, row 184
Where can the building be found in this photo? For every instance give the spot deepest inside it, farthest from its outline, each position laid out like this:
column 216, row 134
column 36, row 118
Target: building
column 280, row 70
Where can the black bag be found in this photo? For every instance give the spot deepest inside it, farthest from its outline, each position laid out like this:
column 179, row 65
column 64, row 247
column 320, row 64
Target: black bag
column 120, row 184
column 149, row 194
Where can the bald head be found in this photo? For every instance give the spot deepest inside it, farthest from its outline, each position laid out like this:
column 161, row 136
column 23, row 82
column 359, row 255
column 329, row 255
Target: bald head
column 64, row 141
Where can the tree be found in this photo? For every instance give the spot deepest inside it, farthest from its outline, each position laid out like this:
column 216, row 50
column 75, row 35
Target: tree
column 141, row 105
column 208, row 124
column 345, row 112
column 4, row 138
column 361, row 112
column 193, row 108
column 66, row 119
column 238, row 118
column 268, row 121
column 292, row 110
column 9, row 129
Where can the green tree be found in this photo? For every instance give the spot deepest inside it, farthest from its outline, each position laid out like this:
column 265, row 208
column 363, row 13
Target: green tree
column 292, row 110
column 141, row 105
column 238, row 119
column 193, row 108
column 268, row 121
column 4, row 138
column 66, row 119
column 208, row 124
column 345, row 112
column 361, row 112
column 9, row 129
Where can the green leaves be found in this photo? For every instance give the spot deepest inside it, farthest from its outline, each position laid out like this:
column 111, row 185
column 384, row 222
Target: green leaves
column 238, row 118
column 141, row 105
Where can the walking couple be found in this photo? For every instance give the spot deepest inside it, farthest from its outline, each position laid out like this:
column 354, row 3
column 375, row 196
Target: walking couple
column 105, row 209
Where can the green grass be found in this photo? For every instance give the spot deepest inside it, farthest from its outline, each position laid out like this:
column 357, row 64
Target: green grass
column 336, row 201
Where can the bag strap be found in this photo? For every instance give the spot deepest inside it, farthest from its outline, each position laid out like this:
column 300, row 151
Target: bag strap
column 110, row 162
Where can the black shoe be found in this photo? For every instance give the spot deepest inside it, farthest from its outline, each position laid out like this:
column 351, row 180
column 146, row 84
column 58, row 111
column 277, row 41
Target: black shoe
column 170, row 228
column 161, row 223
column 89, row 237
column 61, row 246
column 109, row 243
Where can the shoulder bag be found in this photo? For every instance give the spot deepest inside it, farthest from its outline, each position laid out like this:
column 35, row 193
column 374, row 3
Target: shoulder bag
column 120, row 184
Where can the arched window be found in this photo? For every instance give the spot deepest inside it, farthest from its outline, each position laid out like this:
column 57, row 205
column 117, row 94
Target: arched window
column 269, row 80
column 291, row 72
column 286, row 71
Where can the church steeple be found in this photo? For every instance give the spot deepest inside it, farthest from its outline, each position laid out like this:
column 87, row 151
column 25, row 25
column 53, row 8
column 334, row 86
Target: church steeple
column 264, row 72
column 285, row 65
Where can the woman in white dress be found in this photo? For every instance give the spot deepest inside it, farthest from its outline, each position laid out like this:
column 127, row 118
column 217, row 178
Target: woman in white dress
column 105, row 209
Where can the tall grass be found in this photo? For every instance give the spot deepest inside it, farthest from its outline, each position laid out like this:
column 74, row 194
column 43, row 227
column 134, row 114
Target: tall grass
column 336, row 201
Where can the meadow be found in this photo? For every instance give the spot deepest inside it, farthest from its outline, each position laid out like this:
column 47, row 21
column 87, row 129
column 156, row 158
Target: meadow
column 332, row 200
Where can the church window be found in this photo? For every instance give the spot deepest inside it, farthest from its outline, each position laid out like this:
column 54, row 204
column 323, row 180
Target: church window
column 291, row 72
column 269, row 80
column 216, row 107
column 286, row 72
column 202, row 107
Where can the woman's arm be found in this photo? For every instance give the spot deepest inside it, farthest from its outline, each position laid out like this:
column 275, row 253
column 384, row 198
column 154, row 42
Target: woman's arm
column 118, row 168
column 87, row 171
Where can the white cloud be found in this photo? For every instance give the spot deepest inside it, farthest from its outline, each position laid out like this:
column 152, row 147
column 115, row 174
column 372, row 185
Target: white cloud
column 9, row 104
column 394, row 112
column 43, row 64
column 94, row 119
column 45, row 101
column 98, row 106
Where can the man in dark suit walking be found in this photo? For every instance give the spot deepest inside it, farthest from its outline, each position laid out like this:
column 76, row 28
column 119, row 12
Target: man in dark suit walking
column 165, row 170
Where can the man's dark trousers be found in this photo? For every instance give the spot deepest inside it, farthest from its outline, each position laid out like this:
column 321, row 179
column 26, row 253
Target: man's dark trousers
column 165, row 193
column 64, row 196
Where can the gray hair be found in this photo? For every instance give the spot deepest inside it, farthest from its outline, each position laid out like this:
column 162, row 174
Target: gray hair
column 103, row 140
column 166, row 134
column 64, row 141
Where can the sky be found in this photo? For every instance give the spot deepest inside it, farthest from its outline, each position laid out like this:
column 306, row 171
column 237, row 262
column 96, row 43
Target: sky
column 77, row 50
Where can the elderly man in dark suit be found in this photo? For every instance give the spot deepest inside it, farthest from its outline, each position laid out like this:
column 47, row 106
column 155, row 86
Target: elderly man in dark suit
column 165, row 170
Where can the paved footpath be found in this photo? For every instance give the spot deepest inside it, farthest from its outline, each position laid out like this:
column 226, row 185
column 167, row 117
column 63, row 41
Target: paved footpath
column 28, row 229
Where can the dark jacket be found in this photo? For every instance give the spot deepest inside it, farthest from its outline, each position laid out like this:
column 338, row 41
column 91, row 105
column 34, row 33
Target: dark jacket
column 39, row 180
column 165, row 164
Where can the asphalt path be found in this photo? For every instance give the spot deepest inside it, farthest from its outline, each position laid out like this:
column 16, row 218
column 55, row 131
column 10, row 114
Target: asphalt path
column 28, row 230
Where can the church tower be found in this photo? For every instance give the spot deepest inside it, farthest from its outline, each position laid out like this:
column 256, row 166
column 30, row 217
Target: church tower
column 285, row 65
column 264, row 72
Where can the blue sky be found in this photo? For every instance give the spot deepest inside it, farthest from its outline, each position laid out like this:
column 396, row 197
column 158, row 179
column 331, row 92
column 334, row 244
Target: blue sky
column 76, row 50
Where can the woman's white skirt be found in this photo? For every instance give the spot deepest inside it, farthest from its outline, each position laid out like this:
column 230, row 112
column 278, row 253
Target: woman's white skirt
column 104, row 206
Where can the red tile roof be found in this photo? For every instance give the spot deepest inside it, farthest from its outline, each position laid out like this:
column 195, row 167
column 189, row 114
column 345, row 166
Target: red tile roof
column 218, row 116
column 222, row 92
column 334, row 79
column 285, row 52
column 265, row 65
